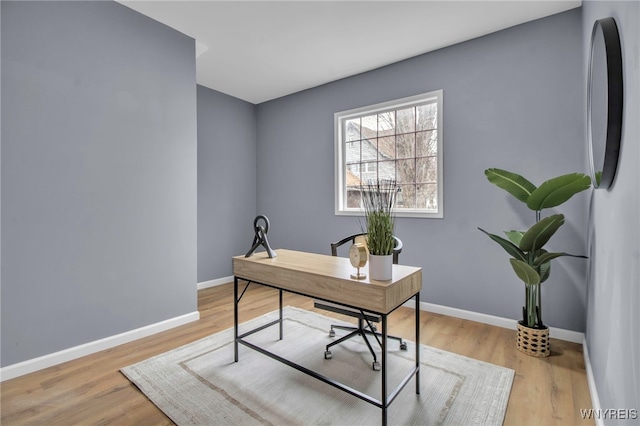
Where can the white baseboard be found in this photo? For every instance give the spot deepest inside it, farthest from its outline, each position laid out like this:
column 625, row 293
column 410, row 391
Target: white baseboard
column 216, row 282
column 49, row 360
column 567, row 335
column 593, row 391
column 556, row 333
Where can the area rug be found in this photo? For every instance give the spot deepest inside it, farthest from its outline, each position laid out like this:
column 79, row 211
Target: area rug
column 200, row 384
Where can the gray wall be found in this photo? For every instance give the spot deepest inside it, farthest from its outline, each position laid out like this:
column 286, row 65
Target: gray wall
column 98, row 174
column 226, row 181
column 512, row 99
column 613, row 325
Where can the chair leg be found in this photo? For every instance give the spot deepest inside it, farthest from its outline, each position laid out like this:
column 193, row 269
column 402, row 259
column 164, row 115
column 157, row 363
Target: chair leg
column 348, row 328
column 403, row 345
column 378, row 336
column 332, row 332
column 376, row 364
column 361, row 330
column 343, row 338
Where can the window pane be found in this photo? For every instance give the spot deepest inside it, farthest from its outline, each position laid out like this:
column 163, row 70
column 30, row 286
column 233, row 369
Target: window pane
column 352, row 152
column 426, row 170
column 369, row 172
column 406, row 120
column 387, row 170
column 370, row 167
column 369, row 126
column 387, row 148
column 406, row 197
column 427, row 196
column 405, row 145
column 353, row 197
column 427, row 116
column 352, row 129
column 426, row 143
column 369, row 150
column 406, row 171
column 352, row 179
column 386, row 123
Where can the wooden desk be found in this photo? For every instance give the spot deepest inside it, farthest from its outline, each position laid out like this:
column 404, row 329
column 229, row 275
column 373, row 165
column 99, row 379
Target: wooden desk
column 328, row 278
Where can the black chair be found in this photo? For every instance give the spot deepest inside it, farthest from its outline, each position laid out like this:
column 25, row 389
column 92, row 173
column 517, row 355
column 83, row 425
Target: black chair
column 365, row 319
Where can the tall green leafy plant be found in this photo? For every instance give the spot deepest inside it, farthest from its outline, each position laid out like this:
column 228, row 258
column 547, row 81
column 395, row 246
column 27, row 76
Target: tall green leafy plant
column 378, row 199
column 529, row 260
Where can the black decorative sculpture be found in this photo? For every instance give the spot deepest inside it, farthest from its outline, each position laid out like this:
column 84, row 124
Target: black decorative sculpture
column 261, row 237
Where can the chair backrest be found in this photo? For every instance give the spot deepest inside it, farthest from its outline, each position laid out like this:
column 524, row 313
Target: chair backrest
column 362, row 237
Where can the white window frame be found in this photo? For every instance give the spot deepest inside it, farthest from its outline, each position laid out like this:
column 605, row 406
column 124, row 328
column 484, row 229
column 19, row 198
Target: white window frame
column 340, row 153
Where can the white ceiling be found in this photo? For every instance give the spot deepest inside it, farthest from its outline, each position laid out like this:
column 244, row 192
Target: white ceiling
column 262, row 50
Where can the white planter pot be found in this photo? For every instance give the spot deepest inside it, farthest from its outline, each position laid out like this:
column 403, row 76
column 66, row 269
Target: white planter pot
column 380, row 267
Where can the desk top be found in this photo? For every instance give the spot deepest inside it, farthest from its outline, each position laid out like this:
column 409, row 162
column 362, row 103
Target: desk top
column 329, row 278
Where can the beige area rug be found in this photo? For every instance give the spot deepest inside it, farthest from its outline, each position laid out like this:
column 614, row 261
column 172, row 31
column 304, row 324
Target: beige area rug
column 199, row 384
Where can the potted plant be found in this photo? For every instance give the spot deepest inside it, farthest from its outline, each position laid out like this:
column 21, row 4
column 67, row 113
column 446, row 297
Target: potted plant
column 378, row 199
column 529, row 260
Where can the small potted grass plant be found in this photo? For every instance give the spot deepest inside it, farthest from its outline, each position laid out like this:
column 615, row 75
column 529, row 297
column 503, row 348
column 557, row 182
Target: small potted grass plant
column 529, row 260
column 378, row 199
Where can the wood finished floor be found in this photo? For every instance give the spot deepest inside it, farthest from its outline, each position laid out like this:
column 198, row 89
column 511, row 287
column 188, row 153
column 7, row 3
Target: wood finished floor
column 92, row 391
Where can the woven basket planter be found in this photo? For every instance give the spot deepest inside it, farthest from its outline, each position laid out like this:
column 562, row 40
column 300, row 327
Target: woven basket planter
column 533, row 341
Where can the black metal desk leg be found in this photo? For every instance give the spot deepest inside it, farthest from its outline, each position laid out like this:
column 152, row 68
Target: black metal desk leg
column 280, row 297
column 383, row 370
column 235, row 319
column 418, row 343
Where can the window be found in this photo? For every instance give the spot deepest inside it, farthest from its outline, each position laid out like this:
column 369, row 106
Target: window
column 399, row 140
